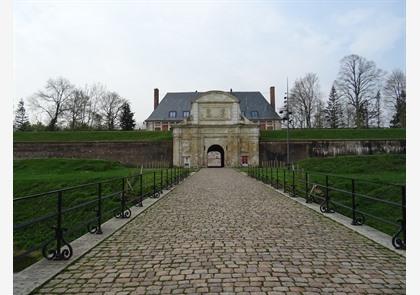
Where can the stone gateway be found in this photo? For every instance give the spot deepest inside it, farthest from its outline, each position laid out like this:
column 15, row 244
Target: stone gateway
column 214, row 128
column 216, row 134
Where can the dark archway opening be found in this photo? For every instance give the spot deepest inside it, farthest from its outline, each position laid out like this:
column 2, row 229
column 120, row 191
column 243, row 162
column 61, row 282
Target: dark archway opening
column 215, row 156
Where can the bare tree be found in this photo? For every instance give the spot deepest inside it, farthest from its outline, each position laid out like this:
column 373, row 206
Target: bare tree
column 53, row 100
column 319, row 118
column 110, row 106
column 304, row 96
column 358, row 81
column 77, row 108
column 394, row 91
column 348, row 116
column 96, row 93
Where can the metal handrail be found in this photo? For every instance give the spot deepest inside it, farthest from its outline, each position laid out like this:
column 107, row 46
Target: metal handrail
column 62, row 249
column 291, row 182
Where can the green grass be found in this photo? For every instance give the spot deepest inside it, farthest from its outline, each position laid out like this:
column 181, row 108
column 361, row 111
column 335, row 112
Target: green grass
column 375, row 176
column 43, row 175
column 334, row 134
column 68, row 136
column 266, row 135
column 388, row 168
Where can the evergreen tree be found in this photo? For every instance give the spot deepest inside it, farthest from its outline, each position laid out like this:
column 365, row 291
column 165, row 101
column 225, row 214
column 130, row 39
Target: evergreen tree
column 127, row 121
column 377, row 111
column 398, row 120
column 333, row 111
column 21, row 119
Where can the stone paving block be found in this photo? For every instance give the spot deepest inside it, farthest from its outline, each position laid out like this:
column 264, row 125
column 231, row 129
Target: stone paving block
column 221, row 232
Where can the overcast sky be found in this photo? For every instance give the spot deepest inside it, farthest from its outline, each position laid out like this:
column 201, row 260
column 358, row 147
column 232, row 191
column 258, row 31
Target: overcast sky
column 135, row 46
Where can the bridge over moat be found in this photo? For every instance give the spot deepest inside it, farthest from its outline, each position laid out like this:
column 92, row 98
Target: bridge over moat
column 220, row 231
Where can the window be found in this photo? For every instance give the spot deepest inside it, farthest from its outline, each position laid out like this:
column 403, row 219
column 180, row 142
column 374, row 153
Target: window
column 254, row 114
column 172, row 114
column 244, row 160
column 186, row 114
column 270, row 125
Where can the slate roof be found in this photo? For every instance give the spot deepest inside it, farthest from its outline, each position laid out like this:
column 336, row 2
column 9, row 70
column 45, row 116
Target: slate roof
column 181, row 101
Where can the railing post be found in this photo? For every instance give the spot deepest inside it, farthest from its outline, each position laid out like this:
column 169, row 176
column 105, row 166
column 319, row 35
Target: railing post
column 123, row 203
column 154, row 185
column 57, row 253
column 266, row 174
column 99, row 213
column 141, row 190
column 293, row 183
column 327, row 196
column 284, row 180
column 277, row 177
column 59, row 230
column 397, row 242
column 170, row 170
column 403, row 195
column 306, row 188
column 353, row 202
column 167, row 178
column 161, row 180
column 271, row 176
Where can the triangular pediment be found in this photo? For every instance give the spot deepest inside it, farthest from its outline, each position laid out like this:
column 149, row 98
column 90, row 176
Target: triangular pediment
column 216, row 96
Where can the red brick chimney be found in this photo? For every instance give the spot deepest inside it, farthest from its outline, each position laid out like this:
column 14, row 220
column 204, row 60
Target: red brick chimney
column 272, row 97
column 156, row 101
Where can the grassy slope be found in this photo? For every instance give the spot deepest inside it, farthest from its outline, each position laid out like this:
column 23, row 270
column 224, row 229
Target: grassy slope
column 383, row 168
column 277, row 135
column 42, row 175
column 324, row 134
column 46, row 136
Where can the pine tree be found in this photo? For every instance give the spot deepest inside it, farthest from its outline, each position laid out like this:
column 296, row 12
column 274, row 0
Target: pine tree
column 398, row 120
column 377, row 110
column 333, row 111
column 127, row 121
column 21, row 119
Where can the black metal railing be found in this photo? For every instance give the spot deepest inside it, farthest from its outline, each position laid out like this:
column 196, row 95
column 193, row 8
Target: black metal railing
column 45, row 223
column 377, row 204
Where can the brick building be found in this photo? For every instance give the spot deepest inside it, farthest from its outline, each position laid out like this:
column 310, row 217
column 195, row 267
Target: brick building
column 176, row 106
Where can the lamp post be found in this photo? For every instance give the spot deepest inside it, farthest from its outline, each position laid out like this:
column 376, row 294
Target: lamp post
column 286, row 118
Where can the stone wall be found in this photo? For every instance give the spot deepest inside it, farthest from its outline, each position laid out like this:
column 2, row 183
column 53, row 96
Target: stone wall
column 276, row 151
column 129, row 153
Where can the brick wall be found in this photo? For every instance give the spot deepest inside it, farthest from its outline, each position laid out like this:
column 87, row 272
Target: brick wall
column 129, row 153
column 276, row 151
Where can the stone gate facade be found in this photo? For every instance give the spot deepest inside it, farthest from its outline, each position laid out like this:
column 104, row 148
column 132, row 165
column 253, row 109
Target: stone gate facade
column 216, row 125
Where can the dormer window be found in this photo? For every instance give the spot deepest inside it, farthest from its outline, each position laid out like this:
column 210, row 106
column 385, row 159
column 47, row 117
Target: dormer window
column 172, row 114
column 186, row 114
column 254, row 114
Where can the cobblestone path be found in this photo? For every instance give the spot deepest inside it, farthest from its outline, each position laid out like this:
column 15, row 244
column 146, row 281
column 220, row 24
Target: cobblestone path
column 222, row 232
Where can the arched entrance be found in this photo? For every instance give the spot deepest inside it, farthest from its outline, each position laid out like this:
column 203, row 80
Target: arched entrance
column 215, row 156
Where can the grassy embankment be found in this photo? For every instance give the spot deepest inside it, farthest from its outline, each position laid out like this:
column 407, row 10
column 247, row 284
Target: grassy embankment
column 276, row 135
column 334, row 134
column 375, row 176
column 66, row 136
column 43, row 175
